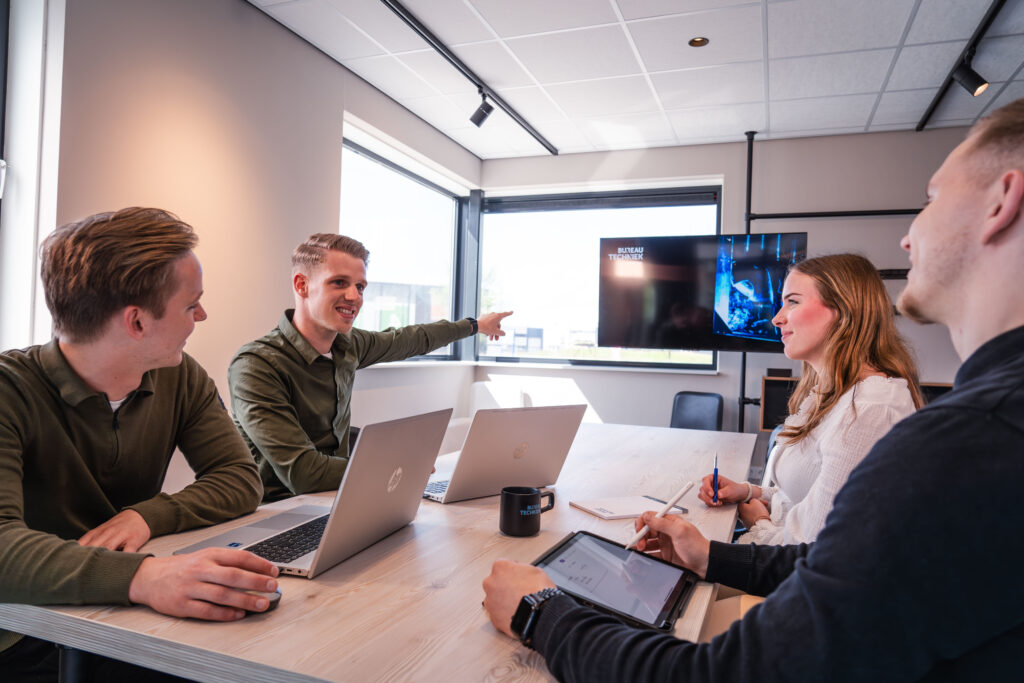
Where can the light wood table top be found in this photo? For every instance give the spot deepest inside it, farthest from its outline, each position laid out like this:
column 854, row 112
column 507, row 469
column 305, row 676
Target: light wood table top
column 409, row 607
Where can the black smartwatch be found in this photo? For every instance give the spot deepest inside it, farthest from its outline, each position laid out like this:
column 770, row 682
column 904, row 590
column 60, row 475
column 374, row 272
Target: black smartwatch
column 524, row 621
column 476, row 328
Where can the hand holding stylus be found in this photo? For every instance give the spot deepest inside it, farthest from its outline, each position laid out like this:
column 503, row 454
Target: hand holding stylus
column 661, row 513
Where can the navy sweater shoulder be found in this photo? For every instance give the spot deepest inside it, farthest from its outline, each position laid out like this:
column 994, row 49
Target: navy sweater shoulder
column 915, row 575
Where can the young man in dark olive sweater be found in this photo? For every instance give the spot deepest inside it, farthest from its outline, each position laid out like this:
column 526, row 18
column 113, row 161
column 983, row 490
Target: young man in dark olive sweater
column 88, row 424
column 291, row 390
column 916, row 574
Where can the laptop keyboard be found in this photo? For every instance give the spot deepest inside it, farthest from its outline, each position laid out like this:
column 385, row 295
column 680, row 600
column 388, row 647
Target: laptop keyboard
column 292, row 544
column 436, row 488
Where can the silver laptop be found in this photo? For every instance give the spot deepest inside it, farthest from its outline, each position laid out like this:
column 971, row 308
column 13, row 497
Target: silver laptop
column 379, row 494
column 509, row 447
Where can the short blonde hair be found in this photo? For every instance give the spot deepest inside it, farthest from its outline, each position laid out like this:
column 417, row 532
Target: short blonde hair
column 98, row 265
column 313, row 251
column 997, row 140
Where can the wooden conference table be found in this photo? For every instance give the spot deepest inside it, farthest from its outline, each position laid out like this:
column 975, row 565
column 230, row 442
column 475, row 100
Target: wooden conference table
column 409, row 607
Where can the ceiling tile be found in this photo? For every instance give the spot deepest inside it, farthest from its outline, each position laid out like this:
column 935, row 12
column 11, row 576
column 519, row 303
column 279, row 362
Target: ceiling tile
column 924, row 66
column 642, row 9
column 325, row 27
column 492, row 62
column 1009, row 20
column 998, row 58
column 498, row 132
column 391, row 76
column 941, row 20
column 717, row 122
column 434, row 69
column 635, row 130
column 533, row 104
column 482, row 146
column 808, row 27
column 905, row 107
column 380, row 23
column 565, row 135
column 511, row 133
column 1014, row 91
column 628, row 95
column 438, row 111
column 576, row 55
column 727, row 84
column 817, row 132
column 523, row 17
column 450, row 20
column 820, row 113
column 735, row 35
column 846, row 73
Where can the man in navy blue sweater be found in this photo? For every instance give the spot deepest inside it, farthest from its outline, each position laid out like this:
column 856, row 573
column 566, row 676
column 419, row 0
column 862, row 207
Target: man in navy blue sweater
column 916, row 574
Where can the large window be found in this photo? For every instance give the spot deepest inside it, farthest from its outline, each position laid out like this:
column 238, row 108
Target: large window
column 539, row 256
column 408, row 224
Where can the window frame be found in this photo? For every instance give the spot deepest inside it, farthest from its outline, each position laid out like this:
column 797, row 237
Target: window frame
column 617, row 199
column 458, row 351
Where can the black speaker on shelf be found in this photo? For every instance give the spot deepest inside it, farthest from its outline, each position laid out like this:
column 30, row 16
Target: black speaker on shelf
column 775, row 392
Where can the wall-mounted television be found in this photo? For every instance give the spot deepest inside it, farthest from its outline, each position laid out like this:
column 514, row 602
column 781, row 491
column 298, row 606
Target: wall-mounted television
column 715, row 292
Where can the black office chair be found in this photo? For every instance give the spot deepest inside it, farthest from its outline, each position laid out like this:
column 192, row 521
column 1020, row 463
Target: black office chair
column 697, row 410
column 771, row 441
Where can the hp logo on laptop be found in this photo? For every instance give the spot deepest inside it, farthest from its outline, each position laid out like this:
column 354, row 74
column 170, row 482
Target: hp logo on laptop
column 520, row 450
column 393, row 482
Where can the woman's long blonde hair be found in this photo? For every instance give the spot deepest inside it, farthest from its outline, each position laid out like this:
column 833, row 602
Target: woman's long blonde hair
column 863, row 334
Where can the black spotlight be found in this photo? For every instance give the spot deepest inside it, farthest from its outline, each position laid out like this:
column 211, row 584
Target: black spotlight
column 971, row 81
column 482, row 112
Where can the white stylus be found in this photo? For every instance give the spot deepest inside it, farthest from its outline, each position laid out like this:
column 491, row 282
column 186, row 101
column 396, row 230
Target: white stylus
column 661, row 513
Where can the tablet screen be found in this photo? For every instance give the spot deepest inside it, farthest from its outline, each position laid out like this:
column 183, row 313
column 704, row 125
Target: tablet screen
column 643, row 588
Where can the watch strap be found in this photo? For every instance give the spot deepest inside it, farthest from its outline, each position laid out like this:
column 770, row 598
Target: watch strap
column 473, row 322
column 525, row 620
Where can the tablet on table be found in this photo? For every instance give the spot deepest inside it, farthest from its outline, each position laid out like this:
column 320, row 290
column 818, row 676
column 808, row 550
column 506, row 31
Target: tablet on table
column 639, row 589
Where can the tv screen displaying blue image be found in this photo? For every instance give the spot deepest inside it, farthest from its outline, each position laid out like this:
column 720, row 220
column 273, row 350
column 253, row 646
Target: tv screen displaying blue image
column 748, row 282
column 715, row 292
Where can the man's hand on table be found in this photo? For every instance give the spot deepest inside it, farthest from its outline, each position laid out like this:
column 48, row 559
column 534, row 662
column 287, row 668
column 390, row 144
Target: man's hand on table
column 505, row 587
column 678, row 541
column 207, row 584
column 126, row 531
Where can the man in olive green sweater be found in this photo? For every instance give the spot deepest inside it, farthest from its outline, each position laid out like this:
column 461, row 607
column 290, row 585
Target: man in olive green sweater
column 291, row 390
column 88, row 424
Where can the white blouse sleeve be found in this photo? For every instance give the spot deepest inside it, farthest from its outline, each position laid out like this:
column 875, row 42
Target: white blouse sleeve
column 842, row 449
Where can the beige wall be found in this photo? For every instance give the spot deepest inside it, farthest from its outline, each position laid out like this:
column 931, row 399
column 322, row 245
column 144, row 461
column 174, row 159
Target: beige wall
column 212, row 110
column 850, row 172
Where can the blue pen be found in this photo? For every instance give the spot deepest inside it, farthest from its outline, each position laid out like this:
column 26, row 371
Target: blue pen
column 714, row 481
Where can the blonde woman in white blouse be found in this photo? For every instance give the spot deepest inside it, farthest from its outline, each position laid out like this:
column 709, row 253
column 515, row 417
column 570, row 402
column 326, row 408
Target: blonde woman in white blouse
column 858, row 381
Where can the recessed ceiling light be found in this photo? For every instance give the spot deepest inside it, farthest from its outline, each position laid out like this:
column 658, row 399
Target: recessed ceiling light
column 699, row 41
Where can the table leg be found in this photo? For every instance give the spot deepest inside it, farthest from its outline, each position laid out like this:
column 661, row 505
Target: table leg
column 75, row 665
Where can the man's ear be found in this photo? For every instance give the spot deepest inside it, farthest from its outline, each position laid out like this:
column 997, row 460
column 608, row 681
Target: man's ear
column 134, row 321
column 1005, row 210
column 300, row 283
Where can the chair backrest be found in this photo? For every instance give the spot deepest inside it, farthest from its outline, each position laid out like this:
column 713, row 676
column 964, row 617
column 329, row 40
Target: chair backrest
column 772, row 440
column 697, row 410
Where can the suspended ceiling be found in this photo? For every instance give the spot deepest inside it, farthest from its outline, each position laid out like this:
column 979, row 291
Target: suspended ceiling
column 594, row 75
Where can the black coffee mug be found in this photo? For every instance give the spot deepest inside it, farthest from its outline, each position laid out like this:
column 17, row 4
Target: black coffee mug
column 520, row 510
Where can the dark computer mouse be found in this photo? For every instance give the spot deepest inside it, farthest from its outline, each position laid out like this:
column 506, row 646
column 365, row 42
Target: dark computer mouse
column 274, row 597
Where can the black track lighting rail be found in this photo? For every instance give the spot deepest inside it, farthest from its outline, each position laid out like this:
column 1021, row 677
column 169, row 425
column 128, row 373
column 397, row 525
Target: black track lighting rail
column 969, row 49
column 450, row 57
